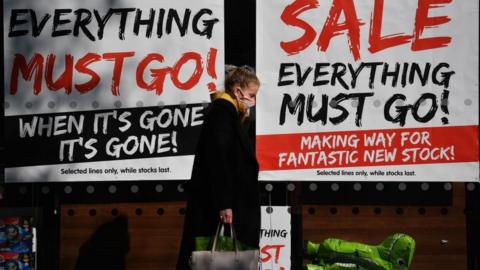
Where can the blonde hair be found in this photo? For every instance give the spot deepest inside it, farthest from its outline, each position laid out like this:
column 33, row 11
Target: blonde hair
column 241, row 76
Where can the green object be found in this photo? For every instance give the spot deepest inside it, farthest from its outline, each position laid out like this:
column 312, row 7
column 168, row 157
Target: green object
column 224, row 243
column 394, row 253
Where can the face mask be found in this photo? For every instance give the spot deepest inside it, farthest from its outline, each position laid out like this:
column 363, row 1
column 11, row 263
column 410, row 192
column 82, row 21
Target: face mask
column 246, row 102
column 246, row 107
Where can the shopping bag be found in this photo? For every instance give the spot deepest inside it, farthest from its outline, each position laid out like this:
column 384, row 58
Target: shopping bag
column 215, row 259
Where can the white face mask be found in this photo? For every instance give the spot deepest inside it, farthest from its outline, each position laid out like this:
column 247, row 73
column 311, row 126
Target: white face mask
column 247, row 102
column 247, row 105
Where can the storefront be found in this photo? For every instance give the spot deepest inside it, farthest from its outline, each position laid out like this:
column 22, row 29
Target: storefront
column 366, row 126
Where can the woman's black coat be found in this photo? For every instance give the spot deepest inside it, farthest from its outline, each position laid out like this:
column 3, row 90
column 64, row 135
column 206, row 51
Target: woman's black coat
column 225, row 175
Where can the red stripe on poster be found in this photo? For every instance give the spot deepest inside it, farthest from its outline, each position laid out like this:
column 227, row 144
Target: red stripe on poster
column 368, row 148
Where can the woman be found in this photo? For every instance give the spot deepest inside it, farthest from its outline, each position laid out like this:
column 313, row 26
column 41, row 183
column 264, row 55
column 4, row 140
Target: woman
column 224, row 183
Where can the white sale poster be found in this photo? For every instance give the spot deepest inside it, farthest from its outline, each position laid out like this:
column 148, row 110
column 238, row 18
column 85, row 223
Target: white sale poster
column 98, row 90
column 275, row 238
column 373, row 90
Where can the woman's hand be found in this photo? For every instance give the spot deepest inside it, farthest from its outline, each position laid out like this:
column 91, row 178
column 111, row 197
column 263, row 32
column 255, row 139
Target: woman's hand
column 226, row 216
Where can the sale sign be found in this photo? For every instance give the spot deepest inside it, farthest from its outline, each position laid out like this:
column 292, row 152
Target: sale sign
column 368, row 90
column 108, row 91
column 275, row 238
